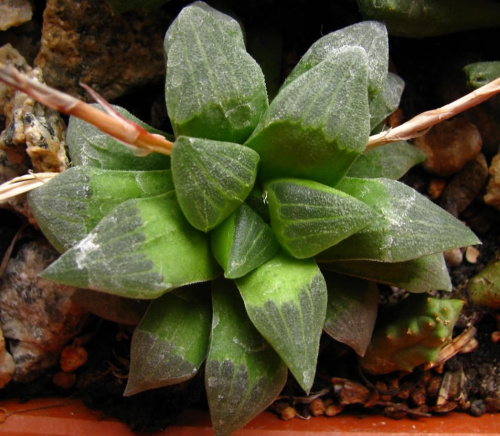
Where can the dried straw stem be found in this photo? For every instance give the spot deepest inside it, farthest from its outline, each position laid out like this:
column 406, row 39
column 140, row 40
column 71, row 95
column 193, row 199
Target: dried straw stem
column 421, row 123
column 22, row 184
column 111, row 123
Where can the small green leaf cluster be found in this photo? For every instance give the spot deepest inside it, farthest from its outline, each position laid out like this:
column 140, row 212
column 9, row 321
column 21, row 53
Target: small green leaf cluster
column 276, row 205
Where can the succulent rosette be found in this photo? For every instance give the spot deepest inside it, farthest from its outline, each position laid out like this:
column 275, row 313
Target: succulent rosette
column 268, row 224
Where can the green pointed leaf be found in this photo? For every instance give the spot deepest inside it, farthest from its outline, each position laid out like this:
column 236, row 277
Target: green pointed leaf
column 211, row 179
column 243, row 242
column 391, row 161
column 70, row 205
column 243, row 373
column 318, row 124
column 87, row 145
column 371, row 36
column 426, row 18
column 352, row 311
column 214, row 89
column 409, row 226
column 141, row 249
column 171, row 342
column 386, row 101
column 286, row 300
column 423, row 274
column 411, row 333
column 308, row 217
column 482, row 73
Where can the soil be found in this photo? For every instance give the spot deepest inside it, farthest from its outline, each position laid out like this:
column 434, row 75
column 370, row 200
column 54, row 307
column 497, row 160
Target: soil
column 432, row 70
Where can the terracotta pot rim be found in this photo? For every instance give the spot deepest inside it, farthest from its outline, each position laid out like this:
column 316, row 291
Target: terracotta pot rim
column 69, row 417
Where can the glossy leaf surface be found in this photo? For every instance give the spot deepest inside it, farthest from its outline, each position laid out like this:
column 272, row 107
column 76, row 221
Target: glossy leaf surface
column 88, row 146
column 318, row 124
column 308, row 217
column 171, row 342
column 427, row 273
column 70, row 205
column 141, row 249
column 351, row 311
column 409, row 226
column 243, row 374
column 214, row 89
column 243, row 242
column 286, row 300
column 211, row 179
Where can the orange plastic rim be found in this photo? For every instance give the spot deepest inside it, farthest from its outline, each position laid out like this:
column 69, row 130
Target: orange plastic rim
column 61, row 417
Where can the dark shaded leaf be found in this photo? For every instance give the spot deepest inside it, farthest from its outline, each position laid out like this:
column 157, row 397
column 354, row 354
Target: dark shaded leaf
column 423, row 274
column 351, row 311
column 171, row 342
column 286, row 300
column 141, row 249
column 243, row 374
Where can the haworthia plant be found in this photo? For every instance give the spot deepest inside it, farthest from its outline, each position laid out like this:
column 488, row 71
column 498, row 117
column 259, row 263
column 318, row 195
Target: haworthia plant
column 268, row 196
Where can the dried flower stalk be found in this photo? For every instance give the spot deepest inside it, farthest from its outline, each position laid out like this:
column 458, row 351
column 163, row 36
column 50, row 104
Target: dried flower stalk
column 110, row 122
column 22, row 184
column 421, row 123
column 142, row 142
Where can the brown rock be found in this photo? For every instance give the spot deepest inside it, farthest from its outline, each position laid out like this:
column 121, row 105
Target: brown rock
column 83, row 42
column 449, row 146
column 465, row 186
column 492, row 196
column 37, row 316
column 7, row 365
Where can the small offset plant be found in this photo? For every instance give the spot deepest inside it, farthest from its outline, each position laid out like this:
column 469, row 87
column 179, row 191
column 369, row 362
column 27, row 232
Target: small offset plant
column 259, row 225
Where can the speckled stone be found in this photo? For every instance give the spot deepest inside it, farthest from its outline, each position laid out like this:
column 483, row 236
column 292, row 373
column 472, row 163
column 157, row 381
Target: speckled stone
column 38, row 317
column 83, row 42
